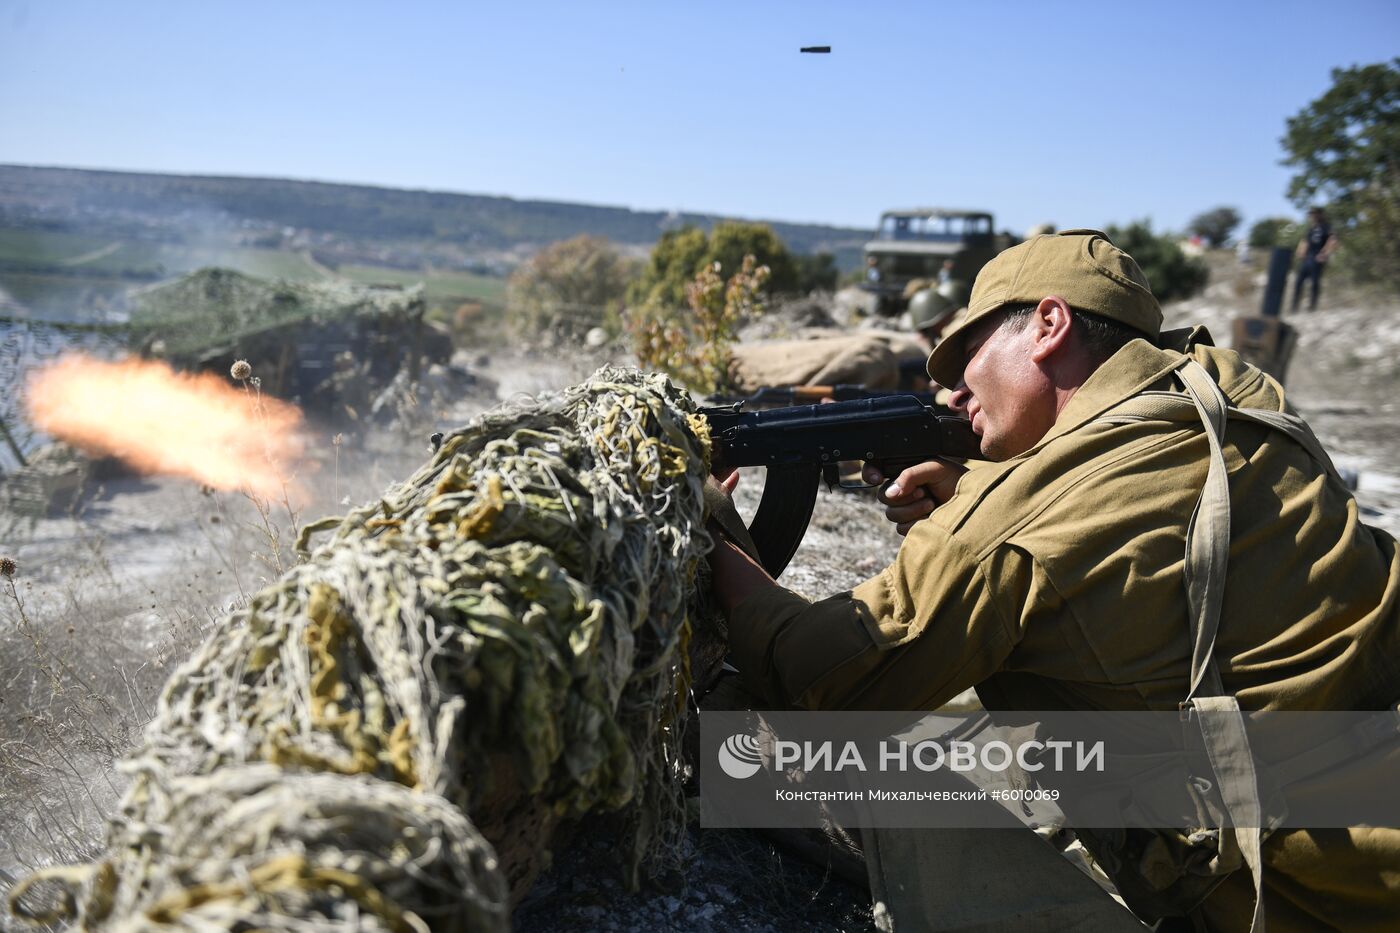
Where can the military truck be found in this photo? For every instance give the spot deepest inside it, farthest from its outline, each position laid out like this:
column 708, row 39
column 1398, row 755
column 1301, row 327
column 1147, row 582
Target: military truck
column 910, row 247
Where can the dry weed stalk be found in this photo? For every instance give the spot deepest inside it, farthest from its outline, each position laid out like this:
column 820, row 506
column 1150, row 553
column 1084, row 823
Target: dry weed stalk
column 242, row 372
column 693, row 346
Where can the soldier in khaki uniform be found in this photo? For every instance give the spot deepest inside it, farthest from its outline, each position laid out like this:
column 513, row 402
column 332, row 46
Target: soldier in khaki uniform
column 1054, row 578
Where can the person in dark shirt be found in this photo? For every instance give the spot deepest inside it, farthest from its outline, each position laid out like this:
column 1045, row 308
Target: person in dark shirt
column 1314, row 249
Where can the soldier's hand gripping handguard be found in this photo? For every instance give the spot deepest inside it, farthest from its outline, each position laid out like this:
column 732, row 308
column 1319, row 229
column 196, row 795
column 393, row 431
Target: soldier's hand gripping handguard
column 719, row 509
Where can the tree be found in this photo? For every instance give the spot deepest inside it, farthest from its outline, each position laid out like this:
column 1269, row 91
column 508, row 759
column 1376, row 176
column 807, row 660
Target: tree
column 1273, row 231
column 1215, row 226
column 673, row 263
column 732, row 240
column 1345, row 147
column 569, row 287
column 1170, row 272
column 682, row 254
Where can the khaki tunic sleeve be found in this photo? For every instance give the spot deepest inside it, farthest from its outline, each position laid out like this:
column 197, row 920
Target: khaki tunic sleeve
column 928, row 627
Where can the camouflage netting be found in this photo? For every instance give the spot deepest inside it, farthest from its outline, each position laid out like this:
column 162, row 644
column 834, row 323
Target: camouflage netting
column 496, row 645
column 208, row 311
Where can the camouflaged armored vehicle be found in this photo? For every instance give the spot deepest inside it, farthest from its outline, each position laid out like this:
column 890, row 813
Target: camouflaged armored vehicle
column 910, row 247
column 328, row 346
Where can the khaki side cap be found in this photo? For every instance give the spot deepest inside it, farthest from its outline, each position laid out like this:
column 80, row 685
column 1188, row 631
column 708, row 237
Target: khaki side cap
column 1080, row 266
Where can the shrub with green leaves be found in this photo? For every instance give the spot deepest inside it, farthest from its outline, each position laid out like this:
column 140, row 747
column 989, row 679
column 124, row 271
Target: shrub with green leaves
column 1216, row 225
column 569, row 287
column 693, row 344
column 674, row 260
column 1170, row 271
column 1274, row 231
column 680, row 255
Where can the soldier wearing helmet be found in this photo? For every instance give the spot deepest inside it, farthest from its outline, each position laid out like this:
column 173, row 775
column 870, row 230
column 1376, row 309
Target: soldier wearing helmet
column 932, row 310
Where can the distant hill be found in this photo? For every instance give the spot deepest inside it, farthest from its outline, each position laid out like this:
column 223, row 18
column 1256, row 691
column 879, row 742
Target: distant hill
column 148, row 205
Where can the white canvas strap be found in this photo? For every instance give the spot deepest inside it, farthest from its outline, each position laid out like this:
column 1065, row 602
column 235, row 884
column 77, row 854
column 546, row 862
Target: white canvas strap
column 1207, row 535
column 1217, row 714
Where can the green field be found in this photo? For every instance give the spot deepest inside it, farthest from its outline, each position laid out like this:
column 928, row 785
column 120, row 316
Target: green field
column 64, row 297
column 78, row 255
column 438, row 284
column 44, row 247
column 71, row 274
column 264, row 263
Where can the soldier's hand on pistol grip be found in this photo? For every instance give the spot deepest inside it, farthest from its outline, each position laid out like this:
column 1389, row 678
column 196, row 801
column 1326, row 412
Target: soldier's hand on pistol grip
column 915, row 491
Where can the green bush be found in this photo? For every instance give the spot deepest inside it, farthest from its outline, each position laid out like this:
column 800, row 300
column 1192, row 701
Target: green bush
column 731, row 241
column 569, row 287
column 674, row 260
column 682, row 254
column 1274, row 231
column 1368, row 250
column 692, row 344
column 1215, row 226
column 1170, row 271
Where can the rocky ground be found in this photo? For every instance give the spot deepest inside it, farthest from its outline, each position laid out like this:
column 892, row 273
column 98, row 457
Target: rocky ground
column 108, row 597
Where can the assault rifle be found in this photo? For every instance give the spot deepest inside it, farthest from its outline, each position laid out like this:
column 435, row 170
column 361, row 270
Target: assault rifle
column 775, row 396
column 801, row 444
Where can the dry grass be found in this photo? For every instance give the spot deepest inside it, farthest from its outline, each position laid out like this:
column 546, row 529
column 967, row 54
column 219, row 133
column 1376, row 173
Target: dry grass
column 104, row 602
column 87, row 636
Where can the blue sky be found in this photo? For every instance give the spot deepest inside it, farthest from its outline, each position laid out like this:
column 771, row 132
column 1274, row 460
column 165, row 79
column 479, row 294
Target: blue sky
column 1079, row 114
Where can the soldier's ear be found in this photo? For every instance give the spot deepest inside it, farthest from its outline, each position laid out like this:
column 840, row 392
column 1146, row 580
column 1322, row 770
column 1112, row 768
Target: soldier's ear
column 1052, row 323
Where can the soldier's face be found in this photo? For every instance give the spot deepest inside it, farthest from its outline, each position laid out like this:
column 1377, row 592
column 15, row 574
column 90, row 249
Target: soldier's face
column 1003, row 391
